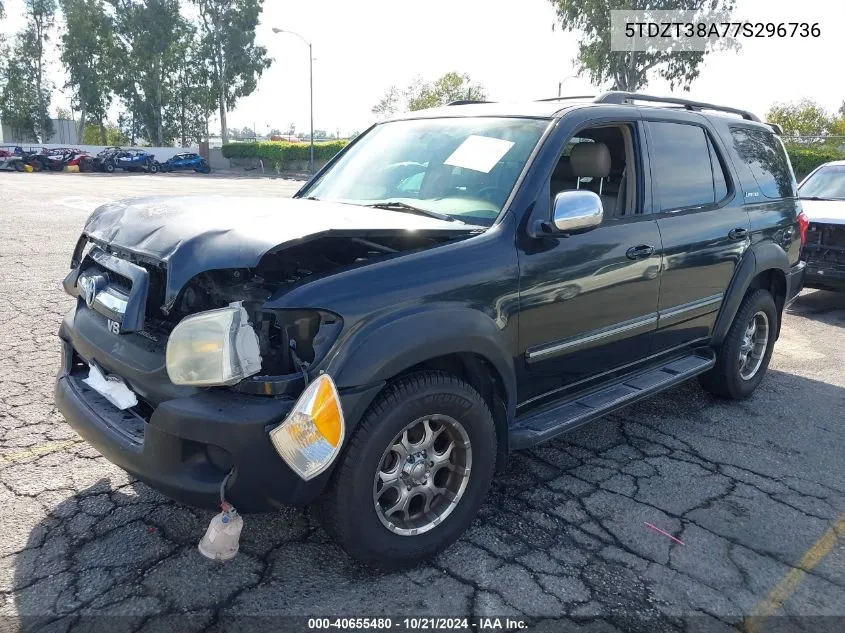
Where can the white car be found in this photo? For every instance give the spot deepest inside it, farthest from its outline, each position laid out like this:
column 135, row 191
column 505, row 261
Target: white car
column 823, row 198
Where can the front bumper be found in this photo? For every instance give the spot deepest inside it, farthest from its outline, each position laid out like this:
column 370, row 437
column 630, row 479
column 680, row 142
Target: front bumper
column 187, row 445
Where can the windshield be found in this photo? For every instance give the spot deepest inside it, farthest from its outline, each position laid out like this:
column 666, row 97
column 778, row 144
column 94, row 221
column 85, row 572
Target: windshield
column 462, row 168
column 827, row 182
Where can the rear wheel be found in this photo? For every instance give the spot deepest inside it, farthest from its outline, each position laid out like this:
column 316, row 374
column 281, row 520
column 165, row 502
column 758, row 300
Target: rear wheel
column 414, row 473
column 744, row 356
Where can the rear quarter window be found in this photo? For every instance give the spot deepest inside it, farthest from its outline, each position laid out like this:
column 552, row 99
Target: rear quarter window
column 765, row 156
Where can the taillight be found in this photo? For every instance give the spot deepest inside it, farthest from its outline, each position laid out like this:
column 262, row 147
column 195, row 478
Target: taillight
column 803, row 226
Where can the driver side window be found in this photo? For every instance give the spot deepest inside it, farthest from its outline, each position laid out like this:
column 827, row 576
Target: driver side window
column 601, row 159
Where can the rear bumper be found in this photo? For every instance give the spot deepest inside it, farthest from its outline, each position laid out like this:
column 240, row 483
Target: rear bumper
column 795, row 281
column 187, row 445
column 824, row 278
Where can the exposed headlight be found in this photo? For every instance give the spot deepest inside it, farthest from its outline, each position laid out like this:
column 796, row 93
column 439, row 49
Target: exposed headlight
column 309, row 439
column 218, row 347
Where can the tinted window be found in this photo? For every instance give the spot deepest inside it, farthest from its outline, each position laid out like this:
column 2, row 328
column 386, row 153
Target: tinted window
column 764, row 154
column 680, row 166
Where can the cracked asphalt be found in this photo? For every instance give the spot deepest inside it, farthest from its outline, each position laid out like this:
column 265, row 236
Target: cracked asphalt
column 749, row 488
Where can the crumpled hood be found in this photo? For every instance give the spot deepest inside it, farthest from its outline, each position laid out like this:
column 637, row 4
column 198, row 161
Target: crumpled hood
column 193, row 234
column 824, row 211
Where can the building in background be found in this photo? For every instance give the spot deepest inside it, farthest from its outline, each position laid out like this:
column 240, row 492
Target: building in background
column 64, row 133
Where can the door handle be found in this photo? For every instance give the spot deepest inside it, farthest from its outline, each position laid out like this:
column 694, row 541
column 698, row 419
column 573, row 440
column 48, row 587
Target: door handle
column 738, row 234
column 642, row 251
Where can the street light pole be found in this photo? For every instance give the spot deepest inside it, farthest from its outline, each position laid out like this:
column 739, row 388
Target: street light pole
column 560, row 84
column 310, row 87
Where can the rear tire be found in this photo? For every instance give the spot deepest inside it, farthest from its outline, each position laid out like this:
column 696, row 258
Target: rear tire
column 744, row 356
column 427, row 409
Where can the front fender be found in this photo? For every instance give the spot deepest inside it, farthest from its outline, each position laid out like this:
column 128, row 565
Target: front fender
column 387, row 347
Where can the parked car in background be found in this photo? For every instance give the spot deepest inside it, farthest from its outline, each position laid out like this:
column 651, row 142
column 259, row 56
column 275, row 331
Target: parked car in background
column 134, row 160
column 455, row 284
column 104, row 161
column 187, row 161
column 38, row 159
column 823, row 198
column 11, row 158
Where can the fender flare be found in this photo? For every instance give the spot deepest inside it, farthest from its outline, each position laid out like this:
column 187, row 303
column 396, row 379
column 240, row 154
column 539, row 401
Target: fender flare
column 756, row 260
column 386, row 347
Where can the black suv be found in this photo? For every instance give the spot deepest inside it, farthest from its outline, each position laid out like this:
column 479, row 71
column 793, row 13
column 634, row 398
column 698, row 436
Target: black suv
column 456, row 284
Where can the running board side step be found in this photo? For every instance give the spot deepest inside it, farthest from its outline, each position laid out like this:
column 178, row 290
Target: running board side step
column 569, row 414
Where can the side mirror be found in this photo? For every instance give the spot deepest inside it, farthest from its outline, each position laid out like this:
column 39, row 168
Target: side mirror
column 577, row 211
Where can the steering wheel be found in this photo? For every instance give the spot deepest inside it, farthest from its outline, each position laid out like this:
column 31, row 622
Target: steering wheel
column 500, row 193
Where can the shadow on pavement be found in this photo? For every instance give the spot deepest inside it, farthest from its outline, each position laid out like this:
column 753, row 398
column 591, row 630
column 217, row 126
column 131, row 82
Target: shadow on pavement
column 748, row 488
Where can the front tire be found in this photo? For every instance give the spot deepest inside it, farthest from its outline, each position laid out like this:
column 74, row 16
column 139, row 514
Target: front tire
column 744, row 356
column 415, row 472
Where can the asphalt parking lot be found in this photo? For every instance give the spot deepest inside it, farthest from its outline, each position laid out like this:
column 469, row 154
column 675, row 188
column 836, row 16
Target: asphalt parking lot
column 755, row 491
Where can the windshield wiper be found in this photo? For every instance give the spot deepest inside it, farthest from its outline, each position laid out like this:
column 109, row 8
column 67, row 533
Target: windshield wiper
column 819, row 198
column 395, row 205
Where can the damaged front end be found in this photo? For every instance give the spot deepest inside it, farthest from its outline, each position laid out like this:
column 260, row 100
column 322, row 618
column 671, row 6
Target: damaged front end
column 824, row 252
column 216, row 328
column 185, row 312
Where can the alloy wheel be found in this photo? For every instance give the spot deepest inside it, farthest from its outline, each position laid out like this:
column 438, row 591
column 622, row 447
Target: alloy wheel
column 422, row 475
column 755, row 342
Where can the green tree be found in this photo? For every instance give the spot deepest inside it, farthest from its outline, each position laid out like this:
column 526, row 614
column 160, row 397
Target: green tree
column 88, row 54
column 18, row 100
column 389, row 104
column 40, row 19
column 193, row 93
column 628, row 70
column 150, row 42
column 114, row 135
column 421, row 94
column 25, row 97
column 450, row 87
column 804, row 117
column 236, row 63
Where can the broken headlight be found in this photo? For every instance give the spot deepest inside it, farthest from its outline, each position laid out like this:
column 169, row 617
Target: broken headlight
column 218, row 347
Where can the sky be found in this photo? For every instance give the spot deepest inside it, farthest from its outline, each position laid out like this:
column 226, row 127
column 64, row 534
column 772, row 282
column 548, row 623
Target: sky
column 363, row 47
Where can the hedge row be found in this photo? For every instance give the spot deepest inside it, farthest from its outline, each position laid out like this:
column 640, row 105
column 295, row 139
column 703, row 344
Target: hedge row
column 281, row 153
column 806, row 159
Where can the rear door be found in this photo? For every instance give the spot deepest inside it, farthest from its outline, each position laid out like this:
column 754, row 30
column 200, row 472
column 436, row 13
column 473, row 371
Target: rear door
column 703, row 225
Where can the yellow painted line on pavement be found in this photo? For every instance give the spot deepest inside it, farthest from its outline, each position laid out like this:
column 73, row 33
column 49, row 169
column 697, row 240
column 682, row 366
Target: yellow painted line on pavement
column 770, row 605
column 38, row 451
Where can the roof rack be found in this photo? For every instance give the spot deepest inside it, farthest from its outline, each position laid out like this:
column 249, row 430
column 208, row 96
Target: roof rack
column 565, row 98
column 626, row 97
column 467, row 102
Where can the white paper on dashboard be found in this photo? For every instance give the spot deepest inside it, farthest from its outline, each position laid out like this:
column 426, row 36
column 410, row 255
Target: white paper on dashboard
column 479, row 153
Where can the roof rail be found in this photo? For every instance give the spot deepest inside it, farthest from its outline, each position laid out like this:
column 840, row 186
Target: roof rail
column 626, row 97
column 467, row 102
column 565, row 98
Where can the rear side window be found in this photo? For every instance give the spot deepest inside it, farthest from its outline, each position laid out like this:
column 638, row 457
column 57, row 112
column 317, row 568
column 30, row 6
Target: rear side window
column 766, row 158
column 685, row 170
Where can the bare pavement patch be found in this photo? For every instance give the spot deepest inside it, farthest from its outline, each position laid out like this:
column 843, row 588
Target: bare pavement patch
column 755, row 491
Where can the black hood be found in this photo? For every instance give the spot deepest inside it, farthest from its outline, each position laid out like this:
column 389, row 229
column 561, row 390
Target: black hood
column 193, row 234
